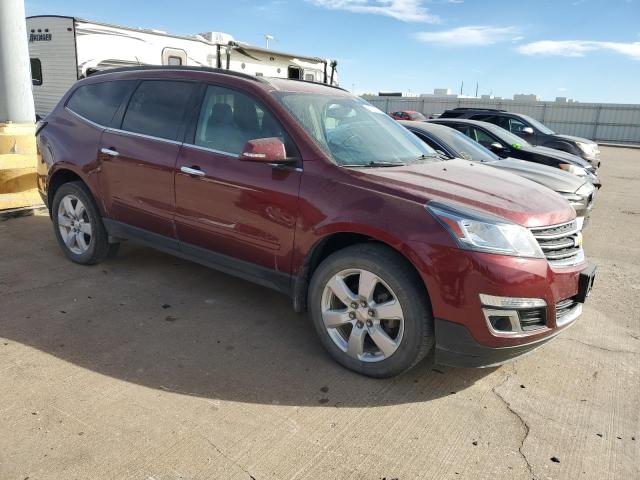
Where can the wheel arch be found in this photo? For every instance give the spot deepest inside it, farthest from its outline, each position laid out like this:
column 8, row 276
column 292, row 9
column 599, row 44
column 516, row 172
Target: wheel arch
column 65, row 174
column 333, row 242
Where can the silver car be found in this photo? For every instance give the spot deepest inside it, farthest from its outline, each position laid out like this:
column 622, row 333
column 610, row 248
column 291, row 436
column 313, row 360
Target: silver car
column 450, row 143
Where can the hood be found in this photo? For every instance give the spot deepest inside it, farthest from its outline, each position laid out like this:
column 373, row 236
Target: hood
column 557, row 154
column 571, row 138
column 553, row 178
column 476, row 186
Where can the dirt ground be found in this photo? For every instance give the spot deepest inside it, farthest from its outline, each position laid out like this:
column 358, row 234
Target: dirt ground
column 150, row 367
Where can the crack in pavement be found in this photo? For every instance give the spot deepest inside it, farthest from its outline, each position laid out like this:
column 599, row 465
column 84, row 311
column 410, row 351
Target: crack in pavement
column 217, row 449
column 524, row 424
column 604, row 349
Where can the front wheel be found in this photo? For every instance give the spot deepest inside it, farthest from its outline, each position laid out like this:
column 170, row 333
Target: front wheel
column 371, row 311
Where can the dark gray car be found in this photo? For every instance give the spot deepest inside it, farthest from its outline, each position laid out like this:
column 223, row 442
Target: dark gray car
column 532, row 130
column 454, row 144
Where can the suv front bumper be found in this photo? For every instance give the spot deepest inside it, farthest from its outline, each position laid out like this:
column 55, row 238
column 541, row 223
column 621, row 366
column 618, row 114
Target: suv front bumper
column 456, row 346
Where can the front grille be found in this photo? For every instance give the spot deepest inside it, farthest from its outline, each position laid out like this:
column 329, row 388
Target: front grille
column 532, row 319
column 561, row 244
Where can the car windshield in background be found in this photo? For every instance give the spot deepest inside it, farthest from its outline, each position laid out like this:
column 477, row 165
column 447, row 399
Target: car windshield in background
column 536, row 124
column 465, row 147
column 417, row 116
column 354, row 132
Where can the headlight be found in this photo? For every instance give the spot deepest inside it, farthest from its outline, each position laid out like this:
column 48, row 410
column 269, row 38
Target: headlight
column 574, row 199
column 484, row 233
column 575, row 169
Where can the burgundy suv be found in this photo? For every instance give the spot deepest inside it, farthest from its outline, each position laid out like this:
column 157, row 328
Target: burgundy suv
column 313, row 192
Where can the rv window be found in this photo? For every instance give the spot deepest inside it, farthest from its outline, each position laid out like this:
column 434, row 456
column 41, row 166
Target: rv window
column 98, row 102
column 172, row 60
column 157, row 108
column 229, row 119
column 36, row 71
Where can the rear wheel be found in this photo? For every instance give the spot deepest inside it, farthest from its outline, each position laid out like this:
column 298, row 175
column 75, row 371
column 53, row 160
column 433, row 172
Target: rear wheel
column 370, row 310
column 78, row 225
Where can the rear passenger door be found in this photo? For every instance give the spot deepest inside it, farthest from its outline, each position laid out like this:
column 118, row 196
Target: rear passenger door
column 138, row 157
column 228, row 208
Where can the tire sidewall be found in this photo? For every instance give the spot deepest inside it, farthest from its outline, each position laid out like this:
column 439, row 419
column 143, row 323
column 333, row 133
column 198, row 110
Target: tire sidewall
column 418, row 321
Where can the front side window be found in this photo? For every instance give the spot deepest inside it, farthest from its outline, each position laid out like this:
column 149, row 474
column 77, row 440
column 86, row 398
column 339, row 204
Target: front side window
column 36, row 71
column 353, row 132
column 157, row 108
column 516, row 126
column 99, row 102
column 229, row 119
column 482, row 137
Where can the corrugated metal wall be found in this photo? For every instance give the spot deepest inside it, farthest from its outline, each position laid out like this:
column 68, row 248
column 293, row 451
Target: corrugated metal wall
column 602, row 122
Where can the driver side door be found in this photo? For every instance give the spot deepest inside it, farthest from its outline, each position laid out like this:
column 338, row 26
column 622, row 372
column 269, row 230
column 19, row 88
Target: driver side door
column 228, row 209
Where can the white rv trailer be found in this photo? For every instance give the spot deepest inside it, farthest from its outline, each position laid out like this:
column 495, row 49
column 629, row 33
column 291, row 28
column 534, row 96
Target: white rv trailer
column 65, row 49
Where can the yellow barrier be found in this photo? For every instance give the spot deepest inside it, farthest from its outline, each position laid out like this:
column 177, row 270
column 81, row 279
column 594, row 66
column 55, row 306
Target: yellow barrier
column 18, row 167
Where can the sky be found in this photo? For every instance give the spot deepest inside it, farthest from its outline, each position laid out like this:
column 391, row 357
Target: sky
column 588, row 50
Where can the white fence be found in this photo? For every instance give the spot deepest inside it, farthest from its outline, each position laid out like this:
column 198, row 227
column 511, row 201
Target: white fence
column 602, row 122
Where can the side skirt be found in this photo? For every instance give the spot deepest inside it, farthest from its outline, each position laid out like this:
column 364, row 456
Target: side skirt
column 266, row 277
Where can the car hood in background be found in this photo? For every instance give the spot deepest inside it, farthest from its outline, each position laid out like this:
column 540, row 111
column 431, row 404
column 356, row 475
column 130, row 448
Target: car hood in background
column 476, row 186
column 573, row 139
column 558, row 154
column 553, row 178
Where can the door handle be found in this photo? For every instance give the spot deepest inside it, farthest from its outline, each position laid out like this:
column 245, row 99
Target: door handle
column 192, row 171
column 109, row 151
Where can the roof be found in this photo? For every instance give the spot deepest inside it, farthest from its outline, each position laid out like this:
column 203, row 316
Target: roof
column 280, row 84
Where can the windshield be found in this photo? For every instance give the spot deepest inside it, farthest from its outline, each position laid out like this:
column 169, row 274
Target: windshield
column 464, row 147
column 353, row 132
column 417, row 116
column 507, row 137
column 536, row 124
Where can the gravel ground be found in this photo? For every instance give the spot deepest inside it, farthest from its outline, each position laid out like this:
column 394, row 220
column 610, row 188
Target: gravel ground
column 150, row 367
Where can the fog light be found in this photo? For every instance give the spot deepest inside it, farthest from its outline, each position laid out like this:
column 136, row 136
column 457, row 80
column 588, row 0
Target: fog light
column 507, row 316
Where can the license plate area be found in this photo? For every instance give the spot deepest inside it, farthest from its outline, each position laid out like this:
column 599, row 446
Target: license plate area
column 585, row 283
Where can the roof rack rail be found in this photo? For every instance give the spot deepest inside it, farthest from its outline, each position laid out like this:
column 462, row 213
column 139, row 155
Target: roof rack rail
column 310, row 81
column 180, row 68
column 479, row 108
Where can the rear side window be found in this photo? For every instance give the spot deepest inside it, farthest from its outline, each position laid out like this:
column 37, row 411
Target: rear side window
column 98, row 102
column 157, row 108
column 36, row 71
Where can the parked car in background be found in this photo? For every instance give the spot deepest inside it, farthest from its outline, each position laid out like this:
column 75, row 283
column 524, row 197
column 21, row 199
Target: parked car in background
column 535, row 132
column 506, row 144
column 451, row 143
column 312, row 191
column 408, row 115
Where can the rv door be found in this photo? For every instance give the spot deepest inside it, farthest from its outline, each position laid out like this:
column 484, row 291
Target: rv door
column 54, row 66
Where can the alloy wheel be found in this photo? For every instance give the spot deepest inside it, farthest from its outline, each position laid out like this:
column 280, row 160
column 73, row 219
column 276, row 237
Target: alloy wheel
column 74, row 224
column 362, row 315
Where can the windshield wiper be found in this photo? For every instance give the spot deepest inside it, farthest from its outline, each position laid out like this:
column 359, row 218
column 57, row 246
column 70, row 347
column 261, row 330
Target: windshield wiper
column 373, row 164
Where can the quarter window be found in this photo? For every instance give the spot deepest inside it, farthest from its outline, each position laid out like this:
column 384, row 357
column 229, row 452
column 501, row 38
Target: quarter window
column 98, row 102
column 228, row 119
column 157, row 108
column 36, row 71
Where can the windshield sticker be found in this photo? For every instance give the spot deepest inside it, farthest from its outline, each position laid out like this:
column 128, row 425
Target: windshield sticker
column 517, row 146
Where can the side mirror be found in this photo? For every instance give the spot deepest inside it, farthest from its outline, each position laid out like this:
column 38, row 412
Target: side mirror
column 497, row 147
column 528, row 131
column 264, row 150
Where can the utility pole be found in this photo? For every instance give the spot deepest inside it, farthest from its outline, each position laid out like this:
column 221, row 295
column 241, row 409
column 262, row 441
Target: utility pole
column 16, row 97
column 461, row 85
column 477, row 85
column 17, row 129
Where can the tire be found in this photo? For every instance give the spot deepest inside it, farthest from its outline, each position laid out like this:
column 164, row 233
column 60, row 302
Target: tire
column 398, row 294
column 74, row 211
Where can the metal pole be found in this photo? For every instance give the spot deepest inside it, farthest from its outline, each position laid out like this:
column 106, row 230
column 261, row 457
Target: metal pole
column 16, row 97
